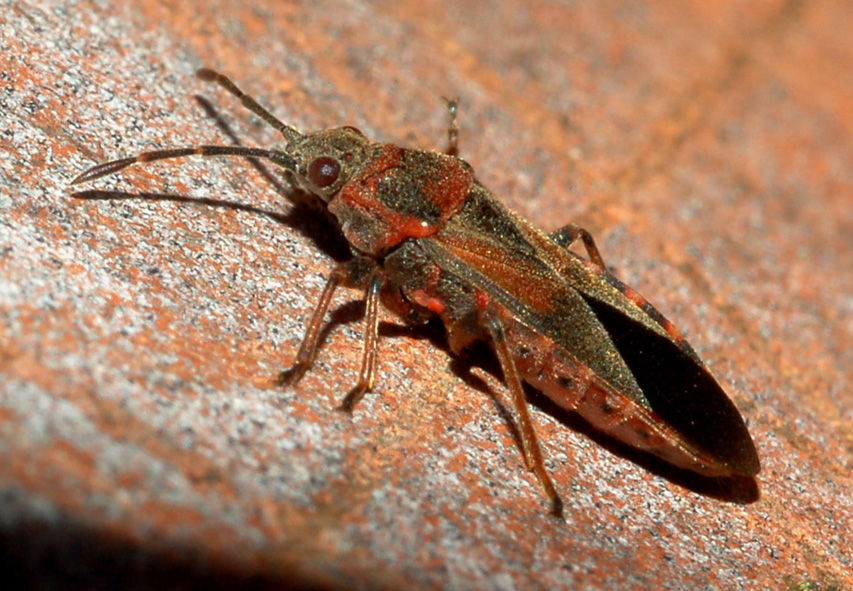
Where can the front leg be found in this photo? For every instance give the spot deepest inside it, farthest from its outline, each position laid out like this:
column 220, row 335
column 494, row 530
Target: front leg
column 371, row 341
column 357, row 272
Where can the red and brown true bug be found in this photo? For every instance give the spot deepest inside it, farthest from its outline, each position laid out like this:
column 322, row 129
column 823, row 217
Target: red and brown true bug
column 427, row 239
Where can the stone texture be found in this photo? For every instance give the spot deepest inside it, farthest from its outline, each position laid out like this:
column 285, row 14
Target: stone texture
column 143, row 442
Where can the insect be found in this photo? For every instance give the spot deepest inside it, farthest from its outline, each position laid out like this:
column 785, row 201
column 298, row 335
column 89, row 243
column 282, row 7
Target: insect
column 428, row 239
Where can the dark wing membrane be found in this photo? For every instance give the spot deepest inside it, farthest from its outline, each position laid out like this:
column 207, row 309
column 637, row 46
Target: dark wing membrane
column 555, row 292
column 682, row 392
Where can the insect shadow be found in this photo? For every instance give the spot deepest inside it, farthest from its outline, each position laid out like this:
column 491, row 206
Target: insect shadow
column 302, row 218
column 306, row 216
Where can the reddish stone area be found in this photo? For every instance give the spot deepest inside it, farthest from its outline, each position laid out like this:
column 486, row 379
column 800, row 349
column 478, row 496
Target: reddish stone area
column 706, row 145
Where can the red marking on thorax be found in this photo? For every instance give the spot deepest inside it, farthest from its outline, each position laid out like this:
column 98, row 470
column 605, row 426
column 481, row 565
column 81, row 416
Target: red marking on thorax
column 423, row 298
column 428, row 296
column 361, row 192
column 370, row 225
column 449, row 187
column 482, row 299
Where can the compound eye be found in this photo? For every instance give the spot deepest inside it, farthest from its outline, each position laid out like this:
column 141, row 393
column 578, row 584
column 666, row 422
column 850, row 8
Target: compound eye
column 323, row 171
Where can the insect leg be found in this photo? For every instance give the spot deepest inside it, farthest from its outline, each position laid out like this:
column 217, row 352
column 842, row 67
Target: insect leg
column 453, row 128
column 371, row 340
column 308, row 348
column 568, row 235
column 530, row 444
